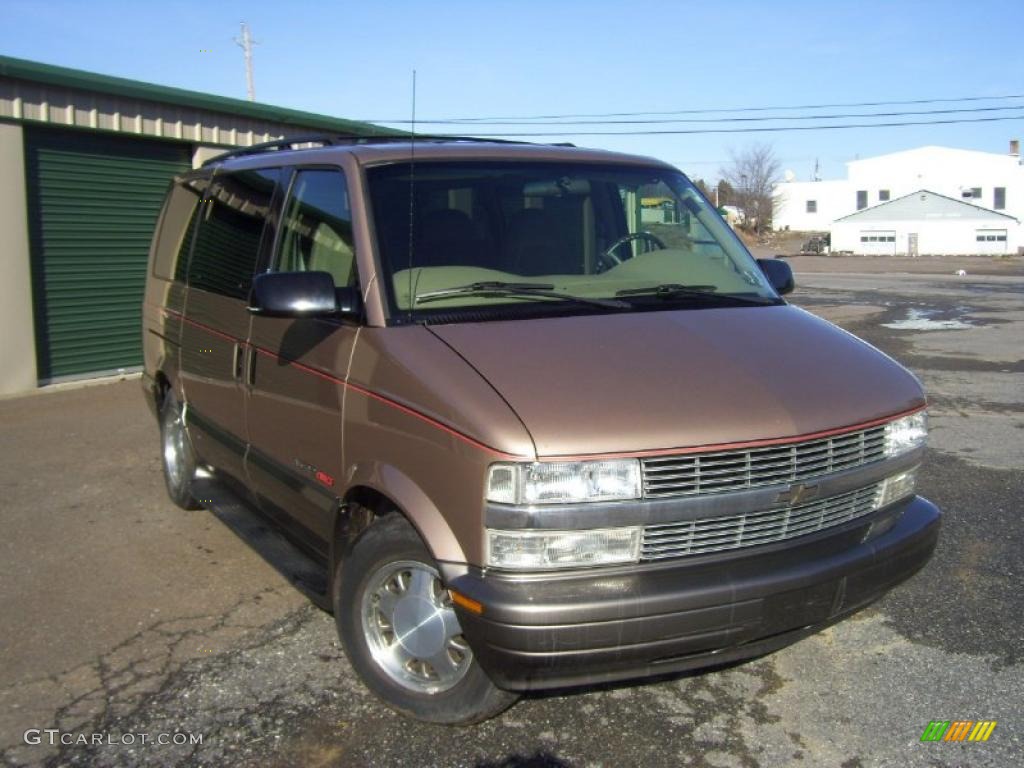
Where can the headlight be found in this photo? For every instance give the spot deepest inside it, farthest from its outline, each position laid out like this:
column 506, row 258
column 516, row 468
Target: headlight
column 905, row 434
column 527, row 550
column 563, row 482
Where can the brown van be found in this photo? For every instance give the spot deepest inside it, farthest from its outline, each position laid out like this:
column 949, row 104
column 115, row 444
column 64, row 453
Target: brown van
column 535, row 429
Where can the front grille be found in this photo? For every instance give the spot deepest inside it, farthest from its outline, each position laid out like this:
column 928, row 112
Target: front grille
column 690, row 474
column 715, row 534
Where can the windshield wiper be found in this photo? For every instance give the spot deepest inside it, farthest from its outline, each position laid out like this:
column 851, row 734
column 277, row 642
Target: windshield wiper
column 498, row 288
column 673, row 290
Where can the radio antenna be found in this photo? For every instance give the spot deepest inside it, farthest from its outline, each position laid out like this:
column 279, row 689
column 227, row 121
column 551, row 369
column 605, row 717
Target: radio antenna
column 412, row 192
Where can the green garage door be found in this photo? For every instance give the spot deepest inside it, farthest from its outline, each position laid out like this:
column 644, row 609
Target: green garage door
column 93, row 200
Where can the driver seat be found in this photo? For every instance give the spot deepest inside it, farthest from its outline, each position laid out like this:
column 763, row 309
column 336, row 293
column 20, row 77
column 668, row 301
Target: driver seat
column 534, row 246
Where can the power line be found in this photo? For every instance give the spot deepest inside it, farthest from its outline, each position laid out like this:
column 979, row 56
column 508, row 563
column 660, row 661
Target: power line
column 770, row 118
column 759, row 129
column 707, row 111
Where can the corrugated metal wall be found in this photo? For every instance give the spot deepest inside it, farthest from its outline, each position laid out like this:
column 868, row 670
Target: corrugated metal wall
column 93, row 201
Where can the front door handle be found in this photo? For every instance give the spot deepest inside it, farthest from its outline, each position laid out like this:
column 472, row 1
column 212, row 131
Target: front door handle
column 250, row 378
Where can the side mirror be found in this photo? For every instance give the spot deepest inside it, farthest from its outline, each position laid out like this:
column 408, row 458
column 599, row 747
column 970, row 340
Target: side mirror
column 350, row 301
column 779, row 274
column 301, row 294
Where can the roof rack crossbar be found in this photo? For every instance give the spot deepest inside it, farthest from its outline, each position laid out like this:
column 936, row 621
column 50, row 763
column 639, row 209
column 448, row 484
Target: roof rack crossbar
column 328, row 140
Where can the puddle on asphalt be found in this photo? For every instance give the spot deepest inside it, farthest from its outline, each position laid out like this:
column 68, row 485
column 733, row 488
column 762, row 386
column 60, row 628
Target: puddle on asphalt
column 927, row 320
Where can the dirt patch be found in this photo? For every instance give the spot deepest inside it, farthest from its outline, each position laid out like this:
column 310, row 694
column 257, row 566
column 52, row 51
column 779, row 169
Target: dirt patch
column 842, row 314
column 923, row 265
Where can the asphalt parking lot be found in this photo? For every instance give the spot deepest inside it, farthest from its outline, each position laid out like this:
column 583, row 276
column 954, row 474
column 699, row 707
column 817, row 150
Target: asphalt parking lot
column 123, row 615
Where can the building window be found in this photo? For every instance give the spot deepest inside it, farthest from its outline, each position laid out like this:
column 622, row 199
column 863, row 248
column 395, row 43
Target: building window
column 812, row 206
column 999, row 198
column 878, row 237
column 883, row 195
column 973, row 192
column 862, row 199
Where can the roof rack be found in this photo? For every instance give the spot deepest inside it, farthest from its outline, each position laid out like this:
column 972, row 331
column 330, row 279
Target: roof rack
column 331, row 140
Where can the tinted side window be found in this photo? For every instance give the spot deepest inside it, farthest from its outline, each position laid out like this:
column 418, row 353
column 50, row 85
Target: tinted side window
column 176, row 227
column 316, row 231
column 228, row 241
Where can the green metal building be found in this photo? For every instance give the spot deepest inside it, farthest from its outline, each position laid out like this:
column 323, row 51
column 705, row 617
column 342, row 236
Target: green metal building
column 85, row 160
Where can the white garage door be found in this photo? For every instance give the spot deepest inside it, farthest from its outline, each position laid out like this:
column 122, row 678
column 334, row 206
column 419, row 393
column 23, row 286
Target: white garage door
column 991, row 240
column 878, row 243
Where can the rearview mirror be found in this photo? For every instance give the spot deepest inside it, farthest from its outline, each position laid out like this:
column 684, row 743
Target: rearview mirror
column 779, row 274
column 301, row 294
column 556, row 187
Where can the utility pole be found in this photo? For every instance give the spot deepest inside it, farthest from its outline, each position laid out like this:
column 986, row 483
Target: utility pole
column 246, row 43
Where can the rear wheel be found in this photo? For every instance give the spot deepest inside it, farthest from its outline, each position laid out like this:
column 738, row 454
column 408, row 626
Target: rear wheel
column 176, row 454
column 399, row 629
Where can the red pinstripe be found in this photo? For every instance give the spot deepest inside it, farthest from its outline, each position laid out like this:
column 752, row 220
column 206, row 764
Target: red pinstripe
column 579, row 457
column 361, row 390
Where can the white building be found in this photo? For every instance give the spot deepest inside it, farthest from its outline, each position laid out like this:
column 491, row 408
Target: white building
column 925, row 223
column 984, row 179
column 810, row 206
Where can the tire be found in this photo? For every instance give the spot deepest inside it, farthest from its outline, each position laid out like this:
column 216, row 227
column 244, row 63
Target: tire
column 176, row 455
column 389, row 580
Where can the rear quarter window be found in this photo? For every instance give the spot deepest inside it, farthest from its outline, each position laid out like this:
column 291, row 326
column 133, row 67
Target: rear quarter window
column 174, row 239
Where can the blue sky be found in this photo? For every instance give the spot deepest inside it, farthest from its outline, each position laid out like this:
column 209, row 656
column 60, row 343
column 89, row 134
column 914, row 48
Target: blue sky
column 500, row 58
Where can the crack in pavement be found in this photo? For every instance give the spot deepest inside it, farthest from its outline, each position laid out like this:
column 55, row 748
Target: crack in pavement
column 103, row 695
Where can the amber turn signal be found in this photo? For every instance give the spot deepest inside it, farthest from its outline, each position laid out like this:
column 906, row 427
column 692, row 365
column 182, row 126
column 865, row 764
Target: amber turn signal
column 466, row 602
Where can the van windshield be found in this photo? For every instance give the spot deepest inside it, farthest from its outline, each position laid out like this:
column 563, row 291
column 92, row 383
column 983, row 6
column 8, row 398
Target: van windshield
column 469, row 236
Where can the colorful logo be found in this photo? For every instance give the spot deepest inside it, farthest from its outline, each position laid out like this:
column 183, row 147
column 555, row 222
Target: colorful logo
column 958, row 730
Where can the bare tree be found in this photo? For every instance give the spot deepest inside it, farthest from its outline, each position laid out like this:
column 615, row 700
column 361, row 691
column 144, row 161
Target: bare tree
column 752, row 173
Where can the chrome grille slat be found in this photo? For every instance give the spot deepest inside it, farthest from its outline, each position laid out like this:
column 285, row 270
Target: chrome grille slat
column 756, row 463
column 678, row 476
column 841, row 453
column 763, row 467
column 718, row 534
column 721, row 471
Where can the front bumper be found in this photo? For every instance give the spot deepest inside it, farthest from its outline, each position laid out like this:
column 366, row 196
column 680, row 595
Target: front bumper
column 561, row 629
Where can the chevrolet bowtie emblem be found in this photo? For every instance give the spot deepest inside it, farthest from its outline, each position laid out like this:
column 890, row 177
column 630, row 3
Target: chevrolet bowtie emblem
column 798, row 492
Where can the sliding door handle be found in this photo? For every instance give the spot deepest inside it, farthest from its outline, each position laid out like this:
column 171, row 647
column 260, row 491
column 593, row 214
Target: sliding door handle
column 237, row 356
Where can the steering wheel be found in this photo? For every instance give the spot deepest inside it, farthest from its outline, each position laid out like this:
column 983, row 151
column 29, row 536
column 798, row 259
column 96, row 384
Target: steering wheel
column 608, row 255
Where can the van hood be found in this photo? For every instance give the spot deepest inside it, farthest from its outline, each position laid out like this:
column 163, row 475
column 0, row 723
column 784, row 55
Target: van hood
column 671, row 379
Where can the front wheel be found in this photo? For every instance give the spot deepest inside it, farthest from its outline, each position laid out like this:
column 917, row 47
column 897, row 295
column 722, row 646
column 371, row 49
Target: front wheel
column 400, row 632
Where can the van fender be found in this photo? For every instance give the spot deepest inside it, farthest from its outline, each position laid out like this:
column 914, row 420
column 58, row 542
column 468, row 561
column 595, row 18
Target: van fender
column 164, row 377
column 413, row 502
